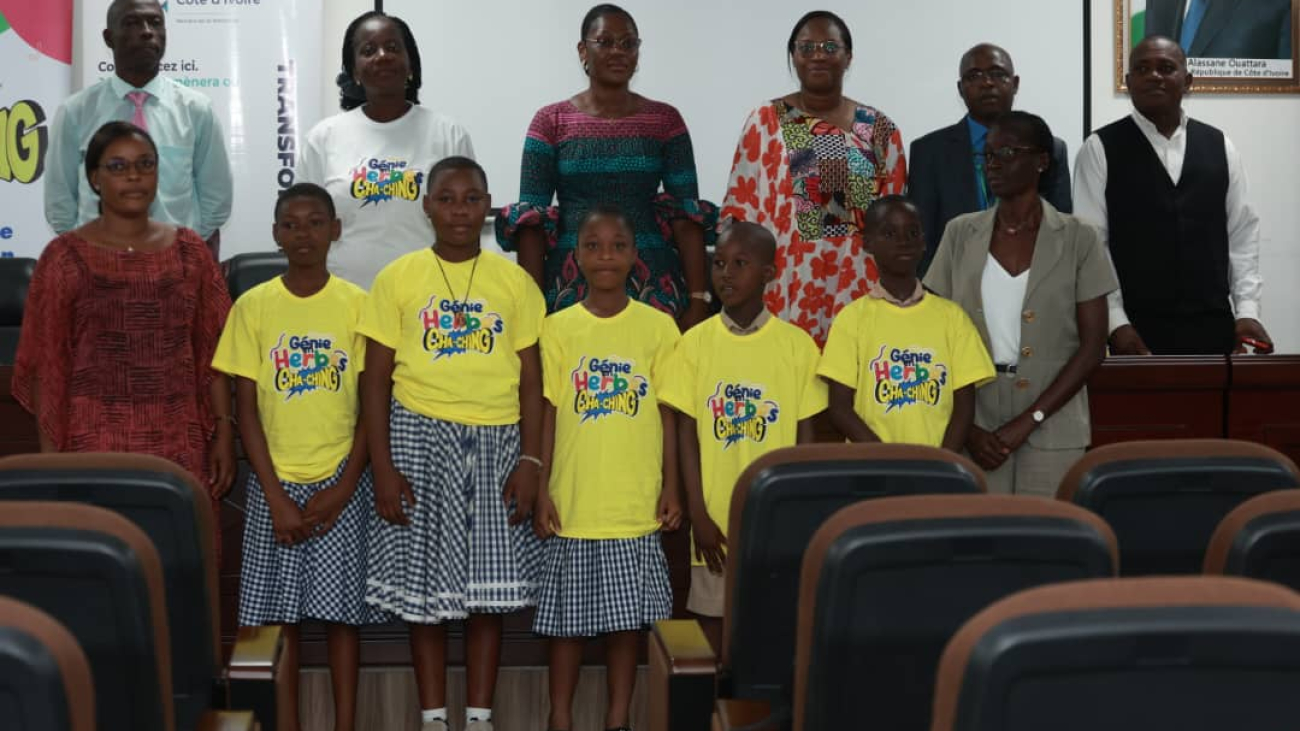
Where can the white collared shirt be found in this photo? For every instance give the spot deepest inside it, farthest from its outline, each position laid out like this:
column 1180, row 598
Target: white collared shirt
column 1243, row 221
column 195, row 183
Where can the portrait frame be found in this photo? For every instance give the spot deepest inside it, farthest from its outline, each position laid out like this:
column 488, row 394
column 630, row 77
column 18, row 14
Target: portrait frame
column 1213, row 75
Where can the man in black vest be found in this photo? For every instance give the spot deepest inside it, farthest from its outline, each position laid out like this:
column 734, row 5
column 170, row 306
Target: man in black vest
column 946, row 167
column 1168, row 194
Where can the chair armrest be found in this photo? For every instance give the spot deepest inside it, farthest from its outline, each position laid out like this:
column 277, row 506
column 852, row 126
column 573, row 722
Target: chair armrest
column 733, row 714
column 227, row 721
column 682, row 677
column 254, row 671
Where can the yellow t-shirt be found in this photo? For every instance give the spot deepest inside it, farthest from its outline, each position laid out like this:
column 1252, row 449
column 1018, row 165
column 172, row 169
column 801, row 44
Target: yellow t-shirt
column 747, row 394
column 905, row 362
column 304, row 354
column 456, row 341
column 603, row 375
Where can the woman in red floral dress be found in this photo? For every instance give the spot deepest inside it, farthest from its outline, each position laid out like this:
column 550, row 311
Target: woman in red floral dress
column 120, row 325
column 807, row 166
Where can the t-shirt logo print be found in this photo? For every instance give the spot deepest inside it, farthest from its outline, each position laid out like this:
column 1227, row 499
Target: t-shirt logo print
column 740, row 412
column 604, row 386
column 381, row 180
column 908, row 376
column 452, row 327
column 309, row 363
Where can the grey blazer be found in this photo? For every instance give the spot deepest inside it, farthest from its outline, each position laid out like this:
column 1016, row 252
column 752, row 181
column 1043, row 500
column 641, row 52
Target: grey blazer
column 1069, row 266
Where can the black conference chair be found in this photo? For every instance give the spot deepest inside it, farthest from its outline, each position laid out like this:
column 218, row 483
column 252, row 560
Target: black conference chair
column 15, row 276
column 99, row 576
column 778, row 503
column 886, row 583
column 164, row 501
column 1187, row 653
column 1165, row 498
column 245, row 271
column 1260, row 540
column 45, row 680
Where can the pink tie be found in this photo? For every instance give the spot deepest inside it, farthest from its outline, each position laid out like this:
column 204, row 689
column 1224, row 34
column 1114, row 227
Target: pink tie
column 138, row 98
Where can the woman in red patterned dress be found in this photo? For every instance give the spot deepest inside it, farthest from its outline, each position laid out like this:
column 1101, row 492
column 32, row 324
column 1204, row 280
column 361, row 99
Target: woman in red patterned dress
column 807, row 167
column 121, row 322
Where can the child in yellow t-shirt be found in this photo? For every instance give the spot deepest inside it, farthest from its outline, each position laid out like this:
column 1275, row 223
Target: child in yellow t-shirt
column 745, row 383
column 902, row 364
column 613, row 474
column 452, row 401
column 292, row 345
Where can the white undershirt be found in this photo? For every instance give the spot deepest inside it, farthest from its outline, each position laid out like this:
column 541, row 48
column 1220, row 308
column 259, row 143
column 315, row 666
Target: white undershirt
column 1004, row 298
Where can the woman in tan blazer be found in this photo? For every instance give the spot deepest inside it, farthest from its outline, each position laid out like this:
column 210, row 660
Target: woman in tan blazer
column 1034, row 281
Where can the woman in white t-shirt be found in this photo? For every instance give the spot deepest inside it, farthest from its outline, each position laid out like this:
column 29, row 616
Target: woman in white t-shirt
column 374, row 158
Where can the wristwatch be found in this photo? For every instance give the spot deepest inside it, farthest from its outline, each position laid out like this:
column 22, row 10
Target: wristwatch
column 705, row 297
column 1038, row 416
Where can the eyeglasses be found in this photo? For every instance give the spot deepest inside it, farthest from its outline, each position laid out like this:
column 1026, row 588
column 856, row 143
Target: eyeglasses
column 119, row 167
column 808, row 48
column 627, row 45
column 1005, row 154
column 977, row 76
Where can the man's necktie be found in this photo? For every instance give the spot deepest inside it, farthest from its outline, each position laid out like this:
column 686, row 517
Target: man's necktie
column 138, row 98
column 1192, row 23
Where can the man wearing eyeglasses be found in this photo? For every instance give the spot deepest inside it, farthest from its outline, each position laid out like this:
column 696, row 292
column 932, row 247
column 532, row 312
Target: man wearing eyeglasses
column 946, row 178
column 194, row 180
column 1168, row 195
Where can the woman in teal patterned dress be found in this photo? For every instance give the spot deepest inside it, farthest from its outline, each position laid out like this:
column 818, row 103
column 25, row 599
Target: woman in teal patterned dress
column 610, row 145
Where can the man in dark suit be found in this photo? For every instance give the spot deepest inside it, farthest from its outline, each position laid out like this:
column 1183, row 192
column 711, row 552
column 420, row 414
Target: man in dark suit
column 946, row 167
column 1224, row 28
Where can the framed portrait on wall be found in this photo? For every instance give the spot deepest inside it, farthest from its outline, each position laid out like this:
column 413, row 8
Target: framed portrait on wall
column 1233, row 46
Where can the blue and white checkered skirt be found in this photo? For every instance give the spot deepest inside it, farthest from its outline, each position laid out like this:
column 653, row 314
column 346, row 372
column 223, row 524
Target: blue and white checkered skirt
column 459, row 555
column 592, row 587
column 321, row 578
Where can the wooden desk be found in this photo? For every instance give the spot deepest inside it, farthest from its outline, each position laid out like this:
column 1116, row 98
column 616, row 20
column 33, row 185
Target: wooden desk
column 1158, row 397
column 1264, row 401
column 17, row 427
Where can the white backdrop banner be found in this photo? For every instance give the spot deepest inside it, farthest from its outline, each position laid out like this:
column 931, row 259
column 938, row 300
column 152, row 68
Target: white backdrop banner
column 259, row 62
column 35, row 76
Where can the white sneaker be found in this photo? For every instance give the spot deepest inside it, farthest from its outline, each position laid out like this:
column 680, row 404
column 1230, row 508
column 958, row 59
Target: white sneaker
column 437, row 725
column 479, row 726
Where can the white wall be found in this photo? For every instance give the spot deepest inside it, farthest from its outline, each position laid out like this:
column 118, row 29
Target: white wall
column 1266, row 131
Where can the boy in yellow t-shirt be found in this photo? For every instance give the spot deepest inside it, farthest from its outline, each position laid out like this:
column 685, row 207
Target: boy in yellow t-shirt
column 292, row 346
column 902, row 364
column 452, row 401
column 613, row 477
column 744, row 383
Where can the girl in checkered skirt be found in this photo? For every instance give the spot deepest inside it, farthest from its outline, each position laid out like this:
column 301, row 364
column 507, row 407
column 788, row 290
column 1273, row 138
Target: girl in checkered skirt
column 292, row 346
column 612, row 483
column 453, row 409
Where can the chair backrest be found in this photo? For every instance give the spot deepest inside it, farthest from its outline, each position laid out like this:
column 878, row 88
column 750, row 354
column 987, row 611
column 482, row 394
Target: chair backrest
column 245, row 271
column 100, row 577
column 15, row 276
column 778, row 503
column 1186, row 653
column 1260, row 539
column 1165, row 498
column 165, row 502
column 886, row 583
column 44, row 676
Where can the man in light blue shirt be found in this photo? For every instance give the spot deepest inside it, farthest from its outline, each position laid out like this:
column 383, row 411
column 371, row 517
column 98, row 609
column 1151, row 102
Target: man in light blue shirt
column 194, row 180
